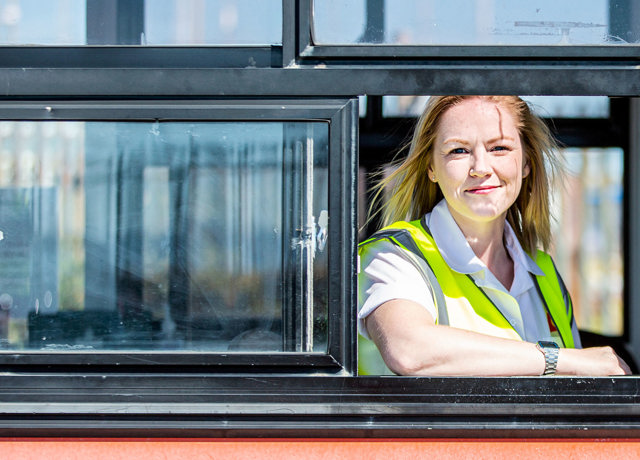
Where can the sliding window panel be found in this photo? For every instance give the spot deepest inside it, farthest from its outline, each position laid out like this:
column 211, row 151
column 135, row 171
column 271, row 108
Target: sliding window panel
column 140, row 22
column 431, row 32
column 199, row 237
column 140, row 33
column 474, row 22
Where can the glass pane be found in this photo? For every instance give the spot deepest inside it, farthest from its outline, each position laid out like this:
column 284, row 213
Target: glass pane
column 362, row 106
column 587, row 232
column 42, row 22
column 569, row 106
column 543, row 106
column 403, row 106
column 140, row 22
column 163, row 236
column 213, row 22
column 476, row 22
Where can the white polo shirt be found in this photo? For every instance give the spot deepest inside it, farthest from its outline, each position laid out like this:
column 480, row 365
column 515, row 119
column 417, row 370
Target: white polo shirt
column 387, row 272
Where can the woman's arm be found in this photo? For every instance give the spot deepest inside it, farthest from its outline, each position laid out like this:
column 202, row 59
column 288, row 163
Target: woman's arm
column 411, row 344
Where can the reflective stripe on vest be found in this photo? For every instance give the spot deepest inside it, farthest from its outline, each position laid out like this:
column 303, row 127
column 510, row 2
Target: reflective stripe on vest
column 459, row 302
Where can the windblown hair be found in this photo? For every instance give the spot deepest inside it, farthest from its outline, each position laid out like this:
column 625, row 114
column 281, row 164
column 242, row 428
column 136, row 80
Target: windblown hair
column 412, row 194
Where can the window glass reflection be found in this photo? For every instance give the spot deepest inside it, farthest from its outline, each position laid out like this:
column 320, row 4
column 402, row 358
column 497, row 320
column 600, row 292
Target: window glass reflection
column 588, row 249
column 163, row 236
column 140, row 22
column 476, row 22
column 543, row 106
column 42, row 22
column 213, row 22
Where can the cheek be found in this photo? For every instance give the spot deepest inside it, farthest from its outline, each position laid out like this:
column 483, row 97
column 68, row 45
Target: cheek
column 454, row 171
column 513, row 169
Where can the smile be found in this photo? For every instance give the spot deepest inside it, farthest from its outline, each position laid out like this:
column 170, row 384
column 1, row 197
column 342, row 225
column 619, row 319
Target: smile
column 483, row 190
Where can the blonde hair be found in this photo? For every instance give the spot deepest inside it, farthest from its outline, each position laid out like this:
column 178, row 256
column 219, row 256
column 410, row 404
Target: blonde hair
column 413, row 194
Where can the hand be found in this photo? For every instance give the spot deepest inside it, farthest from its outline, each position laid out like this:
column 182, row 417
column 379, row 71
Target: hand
column 595, row 361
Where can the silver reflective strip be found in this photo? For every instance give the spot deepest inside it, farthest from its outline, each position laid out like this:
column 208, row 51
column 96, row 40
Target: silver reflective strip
column 565, row 293
column 404, row 238
column 436, row 290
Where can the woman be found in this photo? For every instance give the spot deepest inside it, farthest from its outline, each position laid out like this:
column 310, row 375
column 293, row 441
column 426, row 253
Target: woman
column 458, row 286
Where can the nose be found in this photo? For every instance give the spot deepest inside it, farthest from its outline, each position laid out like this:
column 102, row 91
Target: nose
column 479, row 166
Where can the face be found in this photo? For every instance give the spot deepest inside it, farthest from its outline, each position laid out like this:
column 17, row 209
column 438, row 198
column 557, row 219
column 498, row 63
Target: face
column 478, row 161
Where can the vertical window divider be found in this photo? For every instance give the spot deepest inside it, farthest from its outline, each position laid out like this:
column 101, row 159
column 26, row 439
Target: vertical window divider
column 297, row 29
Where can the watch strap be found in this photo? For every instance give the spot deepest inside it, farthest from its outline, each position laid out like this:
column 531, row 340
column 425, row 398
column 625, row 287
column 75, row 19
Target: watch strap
column 550, row 351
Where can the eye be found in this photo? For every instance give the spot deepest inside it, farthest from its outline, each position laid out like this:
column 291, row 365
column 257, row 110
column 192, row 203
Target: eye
column 500, row 148
column 459, row 150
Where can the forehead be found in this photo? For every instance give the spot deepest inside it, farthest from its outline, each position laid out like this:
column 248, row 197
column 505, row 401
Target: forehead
column 478, row 115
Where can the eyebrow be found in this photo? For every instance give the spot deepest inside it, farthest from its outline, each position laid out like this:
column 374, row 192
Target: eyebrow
column 491, row 141
column 455, row 140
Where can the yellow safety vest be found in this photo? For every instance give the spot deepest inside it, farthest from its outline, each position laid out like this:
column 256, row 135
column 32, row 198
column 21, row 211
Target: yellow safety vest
column 462, row 304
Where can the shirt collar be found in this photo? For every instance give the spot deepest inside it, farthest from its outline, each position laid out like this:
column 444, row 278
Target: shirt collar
column 517, row 253
column 456, row 250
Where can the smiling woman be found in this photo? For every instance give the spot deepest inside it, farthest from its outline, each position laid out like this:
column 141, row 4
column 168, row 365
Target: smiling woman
column 479, row 165
column 457, row 284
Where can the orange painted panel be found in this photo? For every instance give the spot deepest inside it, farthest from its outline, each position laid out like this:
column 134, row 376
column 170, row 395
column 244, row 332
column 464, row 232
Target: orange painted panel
column 323, row 449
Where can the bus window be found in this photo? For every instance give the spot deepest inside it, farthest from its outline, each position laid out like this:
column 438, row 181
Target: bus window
column 186, row 236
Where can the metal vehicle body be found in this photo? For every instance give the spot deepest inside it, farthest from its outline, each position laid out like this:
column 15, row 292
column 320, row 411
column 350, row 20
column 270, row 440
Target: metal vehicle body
column 145, row 369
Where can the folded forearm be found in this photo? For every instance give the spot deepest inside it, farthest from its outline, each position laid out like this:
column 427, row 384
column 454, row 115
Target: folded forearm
column 411, row 344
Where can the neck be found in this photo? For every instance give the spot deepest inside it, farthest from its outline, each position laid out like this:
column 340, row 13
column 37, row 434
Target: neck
column 487, row 242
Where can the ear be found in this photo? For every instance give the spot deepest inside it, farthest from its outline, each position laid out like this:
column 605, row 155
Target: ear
column 432, row 175
column 526, row 169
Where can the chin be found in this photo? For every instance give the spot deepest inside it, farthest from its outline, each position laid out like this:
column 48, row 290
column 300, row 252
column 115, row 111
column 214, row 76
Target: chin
column 486, row 215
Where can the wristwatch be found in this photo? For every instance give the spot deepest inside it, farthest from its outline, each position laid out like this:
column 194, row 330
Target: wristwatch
column 550, row 351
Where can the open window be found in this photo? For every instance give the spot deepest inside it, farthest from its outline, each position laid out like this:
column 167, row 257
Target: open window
column 588, row 201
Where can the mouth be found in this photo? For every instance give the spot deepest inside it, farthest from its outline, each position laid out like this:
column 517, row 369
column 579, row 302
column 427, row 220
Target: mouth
column 482, row 189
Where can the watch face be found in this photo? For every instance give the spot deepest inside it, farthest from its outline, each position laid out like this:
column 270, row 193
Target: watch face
column 544, row 344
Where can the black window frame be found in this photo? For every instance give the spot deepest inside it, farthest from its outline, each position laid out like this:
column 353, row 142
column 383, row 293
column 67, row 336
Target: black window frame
column 237, row 399
column 340, row 116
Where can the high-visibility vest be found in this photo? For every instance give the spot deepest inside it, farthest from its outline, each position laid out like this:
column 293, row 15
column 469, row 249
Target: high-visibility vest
column 459, row 302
